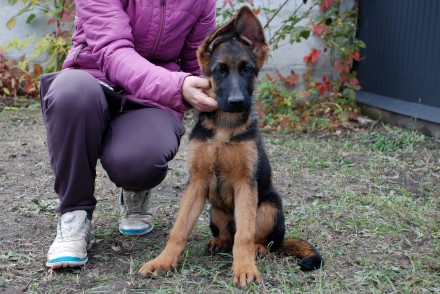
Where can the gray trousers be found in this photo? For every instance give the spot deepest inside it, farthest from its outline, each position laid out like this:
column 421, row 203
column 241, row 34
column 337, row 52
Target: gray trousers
column 134, row 145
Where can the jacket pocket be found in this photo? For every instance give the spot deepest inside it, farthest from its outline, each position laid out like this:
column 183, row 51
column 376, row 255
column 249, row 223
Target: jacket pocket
column 77, row 53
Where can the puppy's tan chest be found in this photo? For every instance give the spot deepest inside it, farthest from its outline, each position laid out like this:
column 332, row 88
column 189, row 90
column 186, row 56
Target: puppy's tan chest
column 222, row 166
column 230, row 159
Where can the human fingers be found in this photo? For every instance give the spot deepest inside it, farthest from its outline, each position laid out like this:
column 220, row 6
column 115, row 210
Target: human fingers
column 201, row 83
column 206, row 103
column 192, row 91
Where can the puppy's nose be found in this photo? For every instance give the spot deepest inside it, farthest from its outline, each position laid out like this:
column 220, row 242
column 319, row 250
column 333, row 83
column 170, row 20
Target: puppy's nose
column 236, row 100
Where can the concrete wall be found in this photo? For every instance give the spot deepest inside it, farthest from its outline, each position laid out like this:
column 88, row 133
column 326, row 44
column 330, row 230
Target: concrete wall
column 286, row 58
column 291, row 56
column 21, row 29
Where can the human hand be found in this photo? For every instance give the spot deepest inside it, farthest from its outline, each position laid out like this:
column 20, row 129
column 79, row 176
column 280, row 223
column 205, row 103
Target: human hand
column 193, row 89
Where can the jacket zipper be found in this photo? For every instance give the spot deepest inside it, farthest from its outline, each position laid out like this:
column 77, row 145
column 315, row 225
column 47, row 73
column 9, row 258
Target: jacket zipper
column 162, row 20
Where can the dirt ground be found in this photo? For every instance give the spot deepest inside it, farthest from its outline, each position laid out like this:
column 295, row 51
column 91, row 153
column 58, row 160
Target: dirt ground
column 28, row 222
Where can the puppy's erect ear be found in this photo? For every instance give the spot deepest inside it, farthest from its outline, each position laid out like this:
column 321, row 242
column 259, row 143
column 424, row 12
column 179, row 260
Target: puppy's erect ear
column 248, row 28
column 244, row 26
column 216, row 37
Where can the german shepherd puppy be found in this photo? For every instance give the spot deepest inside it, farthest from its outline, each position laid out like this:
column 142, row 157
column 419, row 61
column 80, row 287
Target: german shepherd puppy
column 228, row 164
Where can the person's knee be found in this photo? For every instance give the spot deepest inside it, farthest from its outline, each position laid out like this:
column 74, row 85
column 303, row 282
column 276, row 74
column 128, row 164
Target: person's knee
column 73, row 92
column 137, row 147
column 136, row 175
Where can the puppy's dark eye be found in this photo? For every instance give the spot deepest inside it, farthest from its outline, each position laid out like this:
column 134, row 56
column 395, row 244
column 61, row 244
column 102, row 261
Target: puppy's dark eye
column 220, row 69
column 248, row 68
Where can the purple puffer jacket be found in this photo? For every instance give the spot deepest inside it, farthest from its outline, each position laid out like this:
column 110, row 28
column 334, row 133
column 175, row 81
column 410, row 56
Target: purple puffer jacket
column 146, row 47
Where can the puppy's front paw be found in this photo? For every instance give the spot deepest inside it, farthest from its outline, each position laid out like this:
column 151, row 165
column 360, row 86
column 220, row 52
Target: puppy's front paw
column 157, row 267
column 243, row 275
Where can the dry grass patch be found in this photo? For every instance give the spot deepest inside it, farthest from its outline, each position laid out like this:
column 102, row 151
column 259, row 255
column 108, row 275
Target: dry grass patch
column 369, row 200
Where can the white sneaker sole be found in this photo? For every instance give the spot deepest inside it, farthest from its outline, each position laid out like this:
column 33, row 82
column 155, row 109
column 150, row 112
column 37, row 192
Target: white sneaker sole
column 66, row 261
column 136, row 232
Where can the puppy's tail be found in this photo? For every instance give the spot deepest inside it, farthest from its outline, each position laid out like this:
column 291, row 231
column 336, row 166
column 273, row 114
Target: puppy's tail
column 309, row 257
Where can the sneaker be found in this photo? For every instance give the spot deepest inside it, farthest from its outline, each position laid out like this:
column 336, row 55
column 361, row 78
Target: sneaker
column 72, row 241
column 136, row 216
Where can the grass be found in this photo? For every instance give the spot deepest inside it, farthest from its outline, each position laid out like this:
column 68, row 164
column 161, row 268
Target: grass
column 368, row 199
